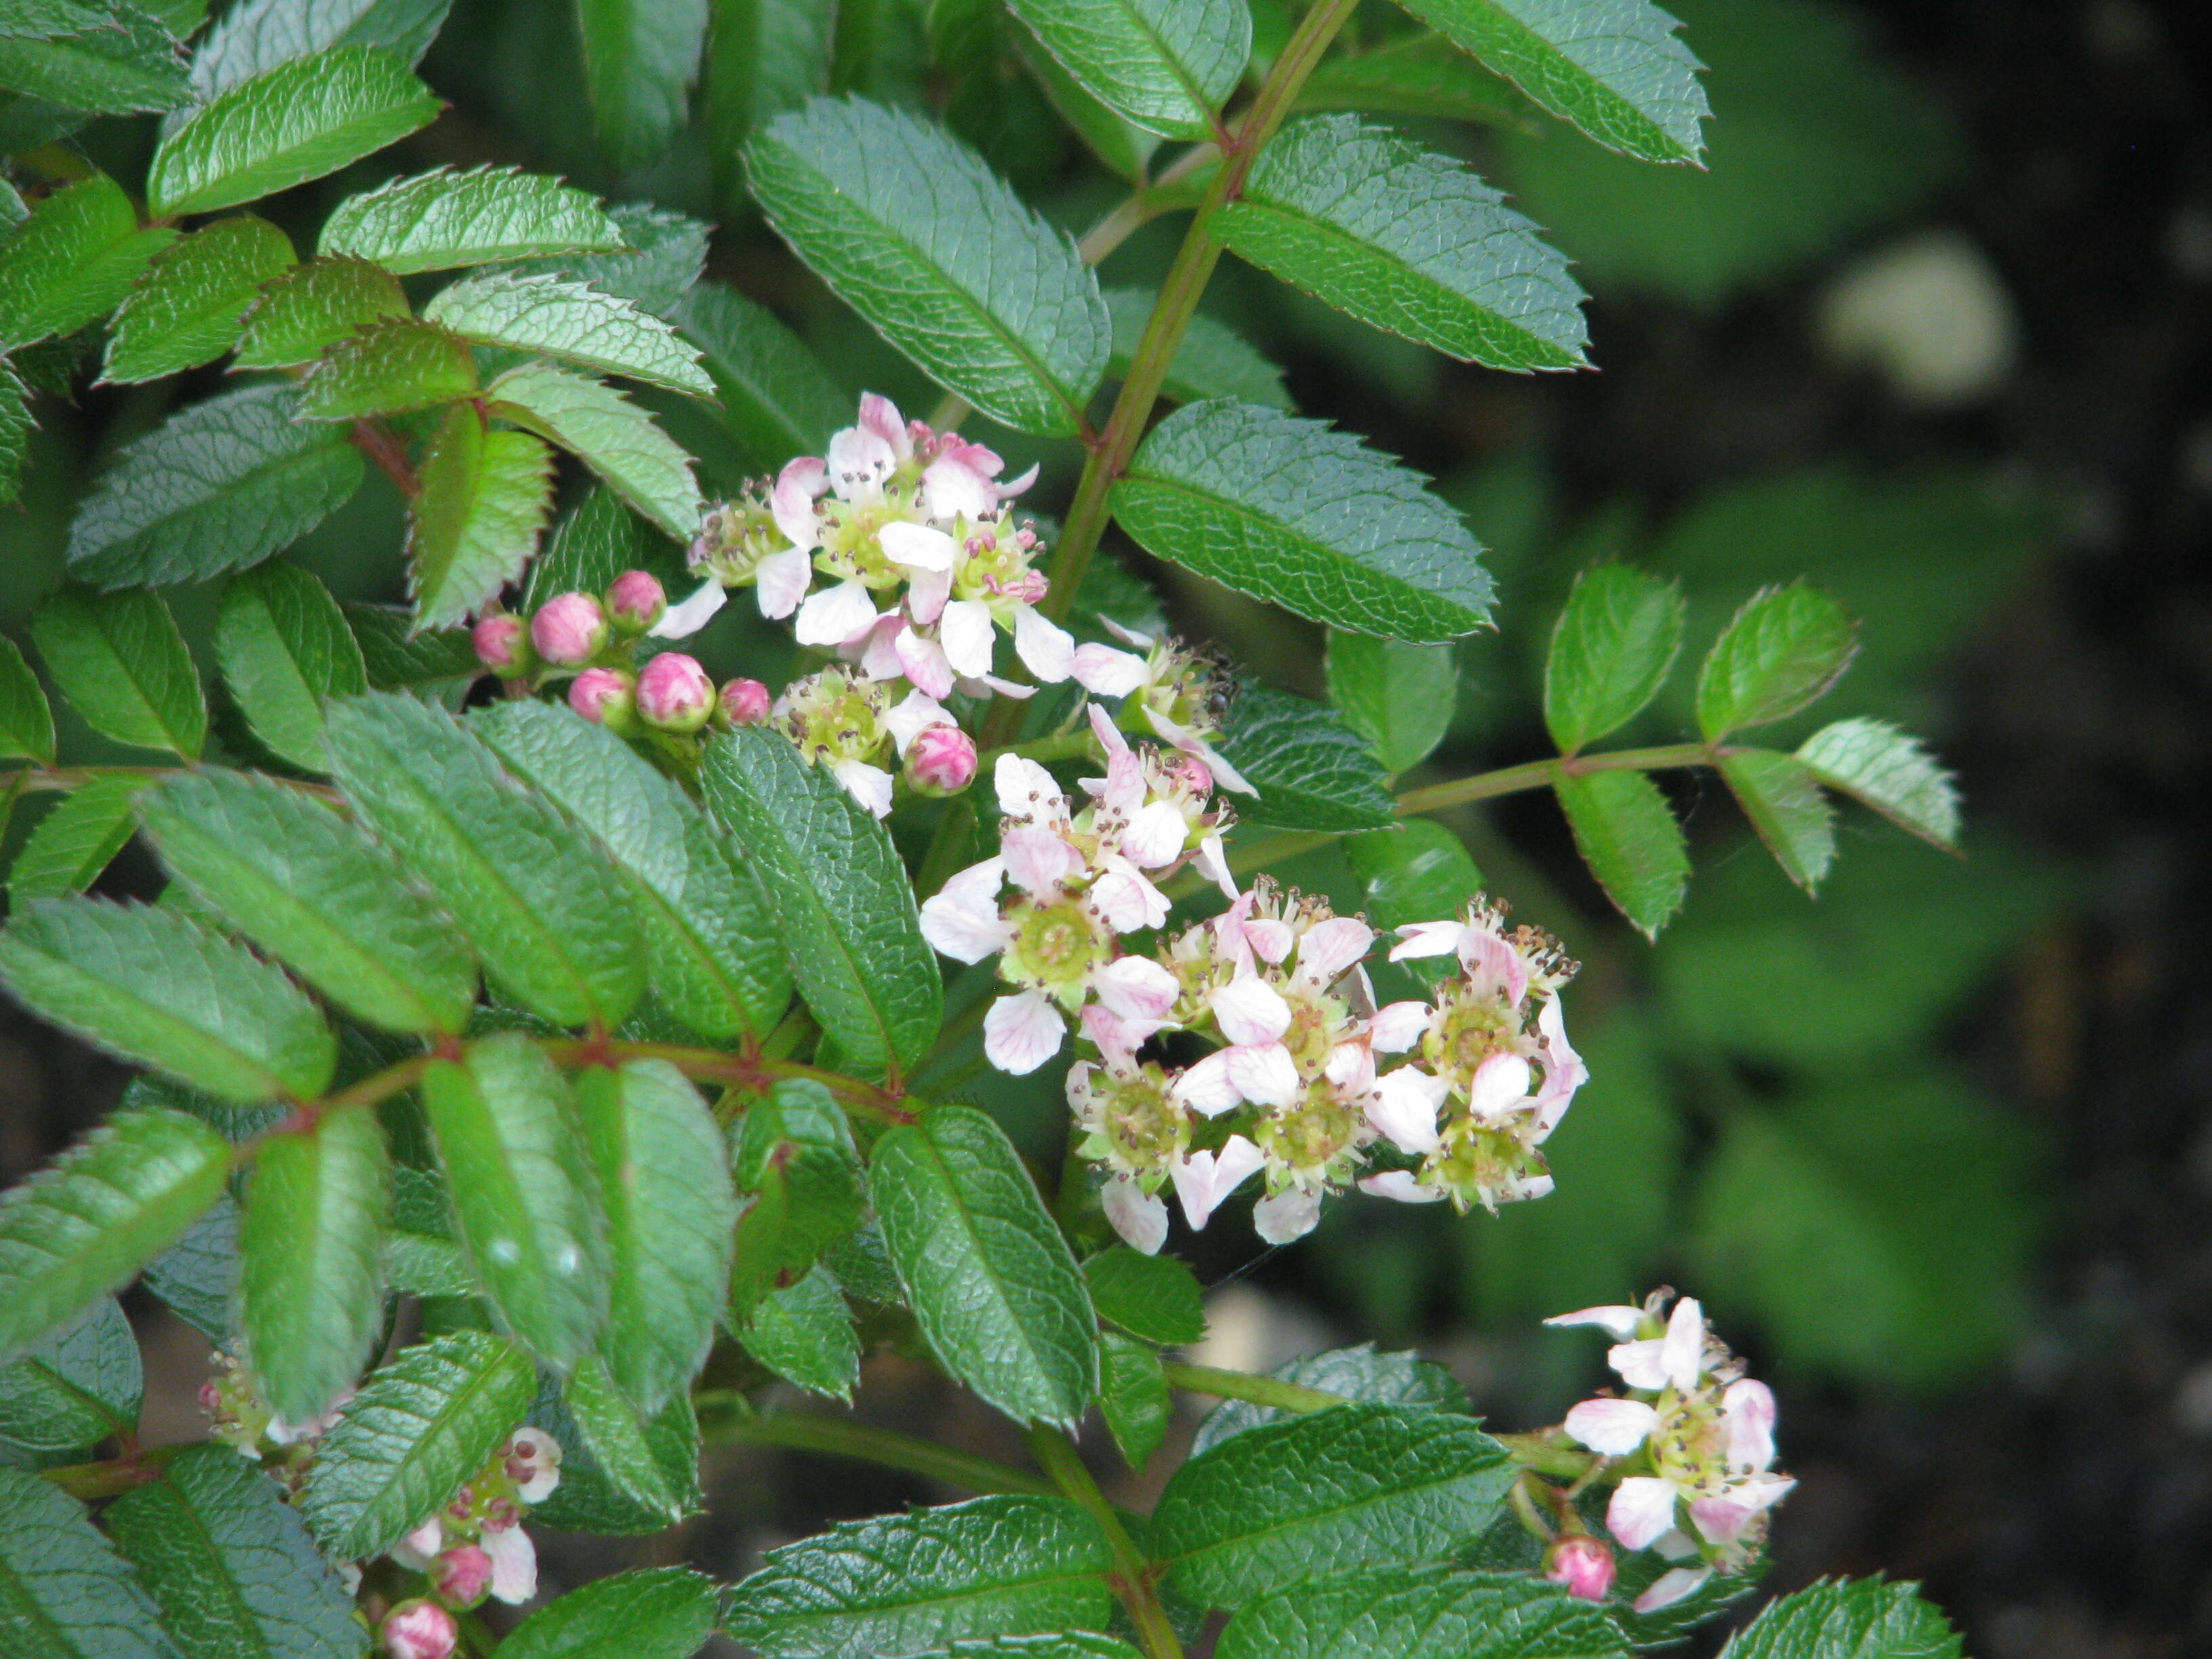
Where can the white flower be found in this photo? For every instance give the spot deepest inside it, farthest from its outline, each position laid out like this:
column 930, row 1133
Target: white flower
column 513, row 1564
column 1403, row 1109
column 1670, row 1361
column 1287, row 1215
column 962, row 919
column 1139, row 1217
column 1021, row 1032
column 1401, row 1185
column 690, row 614
column 1203, row 1179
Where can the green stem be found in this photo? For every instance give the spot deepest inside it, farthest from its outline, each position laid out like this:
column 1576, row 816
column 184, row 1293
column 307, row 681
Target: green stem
column 1542, row 775
column 1132, row 1574
column 1243, row 1385
column 728, row 1419
column 1545, row 1453
column 113, row 1476
column 719, row 1065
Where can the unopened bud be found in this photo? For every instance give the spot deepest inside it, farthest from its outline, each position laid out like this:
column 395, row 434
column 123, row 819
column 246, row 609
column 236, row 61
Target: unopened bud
column 941, row 760
column 745, row 703
column 570, row 629
column 419, row 1630
column 503, row 645
column 461, row 1576
column 674, row 693
column 1582, row 1564
column 636, row 601
column 606, row 697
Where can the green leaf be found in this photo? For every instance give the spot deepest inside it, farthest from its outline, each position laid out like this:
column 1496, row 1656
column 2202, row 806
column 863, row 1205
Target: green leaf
column 259, row 35
column 901, row 1583
column 665, row 1179
column 1878, row 765
column 1355, row 1486
column 991, row 1283
column 535, row 899
column 186, row 309
column 80, row 1227
column 1436, row 1611
column 1364, row 1372
column 641, row 58
column 1782, row 651
column 1312, row 769
column 16, row 429
column 763, row 57
column 420, row 1426
column 75, row 842
column 197, row 1277
column 219, row 485
column 571, row 321
column 437, row 665
column 1613, row 68
column 295, row 122
column 589, row 1498
column 121, row 61
column 617, row 1435
column 305, row 885
column 78, row 1386
column 71, row 261
column 485, row 498
column 594, row 543
column 1310, row 519
column 1853, row 1619
column 1409, row 241
column 1422, row 74
column 1153, row 1297
column 1419, row 872
column 231, row 1564
column 796, row 1161
column 1167, row 65
column 777, row 399
column 917, row 235
column 1611, row 651
column 608, row 434
column 1780, row 796
column 649, row 1613
column 64, row 1593
column 388, row 367
column 444, row 220
column 156, row 988
column 1400, row 697
column 713, row 954
column 313, row 305
column 1132, row 1396
column 285, row 650
column 1056, row 1644
column 27, row 721
column 524, row 1194
column 842, row 899
column 666, row 253
column 803, row 1331
column 1627, row 834
column 1213, row 361
column 863, row 1266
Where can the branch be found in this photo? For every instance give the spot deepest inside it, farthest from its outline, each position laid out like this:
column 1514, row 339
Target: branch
column 1243, row 1385
column 376, row 439
column 726, row 1418
column 1132, row 1574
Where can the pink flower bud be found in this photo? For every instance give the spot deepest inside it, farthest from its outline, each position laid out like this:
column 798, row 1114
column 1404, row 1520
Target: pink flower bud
column 1582, row 1564
column 745, row 703
column 636, row 601
column 502, row 645
column 606, row 697
column 211, row 1396
column 570, row 630
column 461, row 1576
column 941, row 760
column 419, row 1630
column 674, row 693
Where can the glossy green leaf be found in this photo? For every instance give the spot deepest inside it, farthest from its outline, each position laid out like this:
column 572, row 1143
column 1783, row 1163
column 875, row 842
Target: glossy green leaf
column 219, row 485
column 795, row 1162
column 437, row 665
column 1855, row 1618
column 1364, row 1372
column 1436, row 1611
column 667, row 254
column 1213, row 361
column 1782, row 651
column 649, row 1613
column 1310, row 519
column 1613, row 68
column 423, row 1424
column 1132, row 1396
column 16, row 429
column 122, row 61
column 71, row 261
column 75, row 841
column 1422, row 74
column 1313, row 771
column 641, row 58
column 76, row 1386
column 1418, row 871
column 590, row 1497
column 285, row 650
column 1154, row 1297
column 231, row 1564
column 1356, row 1486
column 917, row 235
column 594, row 543
column 443, row 220
column 1627, row 835
column 155, row 987
column 80, row 1227
column 1400, row 697
column 573, row 322
column 863, row 1266
column 64, row 1593
column 991, row 1283
column 286, row 125
column 610, row 435
column 841, row 897
column 1781, row 797
column 1408, row 241
column 186, row 309
column 1168, row 65
column 257, row 35
column 617, row 1435
column 544, row 910
column 901, row 1583
column 389, row 367
column 1876, row 764
column 777, row 399
column 485, row 498
column 1611, row 651
column 27, row 720
column 524, row 1192
column 197, row 1277
column 763, row 57
column 313, row 305
column 803, row 1331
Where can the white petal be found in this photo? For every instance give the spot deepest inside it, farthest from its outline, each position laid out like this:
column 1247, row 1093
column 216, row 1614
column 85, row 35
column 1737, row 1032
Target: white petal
column 961, row 933
column 1619, row 1321
column 514, row 1565
column 982, row 685
column 1118, row 1037
column 1400, row 1184
column 914, row 715
column 1615, row 1427
column 1271, row 940
column 880, row 416
column 1135, row 987
column 1127, row 900
column 1108, row 734
column 1212, row 861
column 1022, row 1032
column 1684, row 1352
column 1287, row 1216
column 965, row 631
column 1156, row 834
column 1643, row 1507
column 871, row 786
column 1038, row 860
column 1202, row 1180
column 1397, row 1026
column 1225, row 776
column 423, row 1542
column 1499, row 1085
column 860, row 460
column 918, row 545
column 1046, row 649
column 1748, row 1409
column 1351, row 1067
column 1330, row 947
column 1026, row 790
column 1487, row 956
column 1205, row 1087
column 926, row 592
column 952, row 489
column 1564, row 1071
column 1139, row 1217
column 1249, row 1010
column 1020, row 482
column 835, row 614
column 691, row 613
column 781, row 582
column 1127, row 636
column 1105, row 672
column 1264, row 1073
column 1672, row 1586
column 1403, row 1108
column 1426, row 939
column 876, row 650
column 1640, row 1363
column 792, row 503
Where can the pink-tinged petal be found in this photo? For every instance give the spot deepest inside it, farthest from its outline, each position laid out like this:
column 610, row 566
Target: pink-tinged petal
column 781, row 582
column 1287, row 1216
column 1019, row 483
column 1108, row 734
column 926, row 591
column 1026, row 790
column 923, row 660
column 985, row 685
column 1619, row 1322
column 966, row 633
column 1212, row 861
column 1205, row 1087
column 1684, row 1353
column 1426, row 939
column 1500, row 1084
column 1672, row 1586
column 1643, row 1507
column 1203, row 1179
column 1139, row 1217
column 1403, row 1108
column 1127, row 900
column 1135, row 987
column 914, row 715
column 966, row 933
column 1105, row 672
column 835, row 614
column 791, row 503
column 513, row 1564
column 1397, row 1026
column 1116, row 1037
column 880, row 416
column 1330, row 947
column 1747, row 1410
column 1046, row 649
column 952, row 489
column 1351, row 1067
column 1271, row 940
column 1564, row 1071
column 871, row 786
column 860, row 460
column 918, row 545
column 1402, row 1186
column 1674, row 1545
column 1722, row 1520
column 1641, row 1363
column 1614, row 1427
column 1156, row 834
column 1020, row 1033
column 876, row 651
column 416, row 1549
column 1264, row 1073
column 1487, row 956
column 1249, row 1010
column 1127, row 636
column 690, row 614
column 1038, row 860
column 1359, row 993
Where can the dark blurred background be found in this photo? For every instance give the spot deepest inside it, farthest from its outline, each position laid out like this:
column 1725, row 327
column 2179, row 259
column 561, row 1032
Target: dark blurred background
column 1935, row 331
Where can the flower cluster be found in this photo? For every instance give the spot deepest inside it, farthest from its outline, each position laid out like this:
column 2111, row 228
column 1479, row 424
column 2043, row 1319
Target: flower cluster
column 846, row 722
column 475, row 1545
column 1697, row 1440
column 242, row 1419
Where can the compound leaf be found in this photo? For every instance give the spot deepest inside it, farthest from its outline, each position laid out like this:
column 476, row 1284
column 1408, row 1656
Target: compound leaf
column 71, row 261
column 777, row 399
column 1213, row 361
column 666, row 254
column 1312, row 769
column 313, row 305
column 796, row 1163
column 1400, row 697
column 1153, row 1297
column 1856, row 1618
column 76, row 1387
column 389, row 367
column 1438, row 1612
column 763, row 57
column 75, row 842
column 1132, row 1396
column 1781, row 797
column 260, row 35
column 1611, row 650
column 649, row 1613
column 121, row 61
column 618, row 1435
column 803, row 1331
column 27, row 719
column 1364, row 1372
column 1167, row 65
column 641, row 58
column 435, row 664
column 1782, row 651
